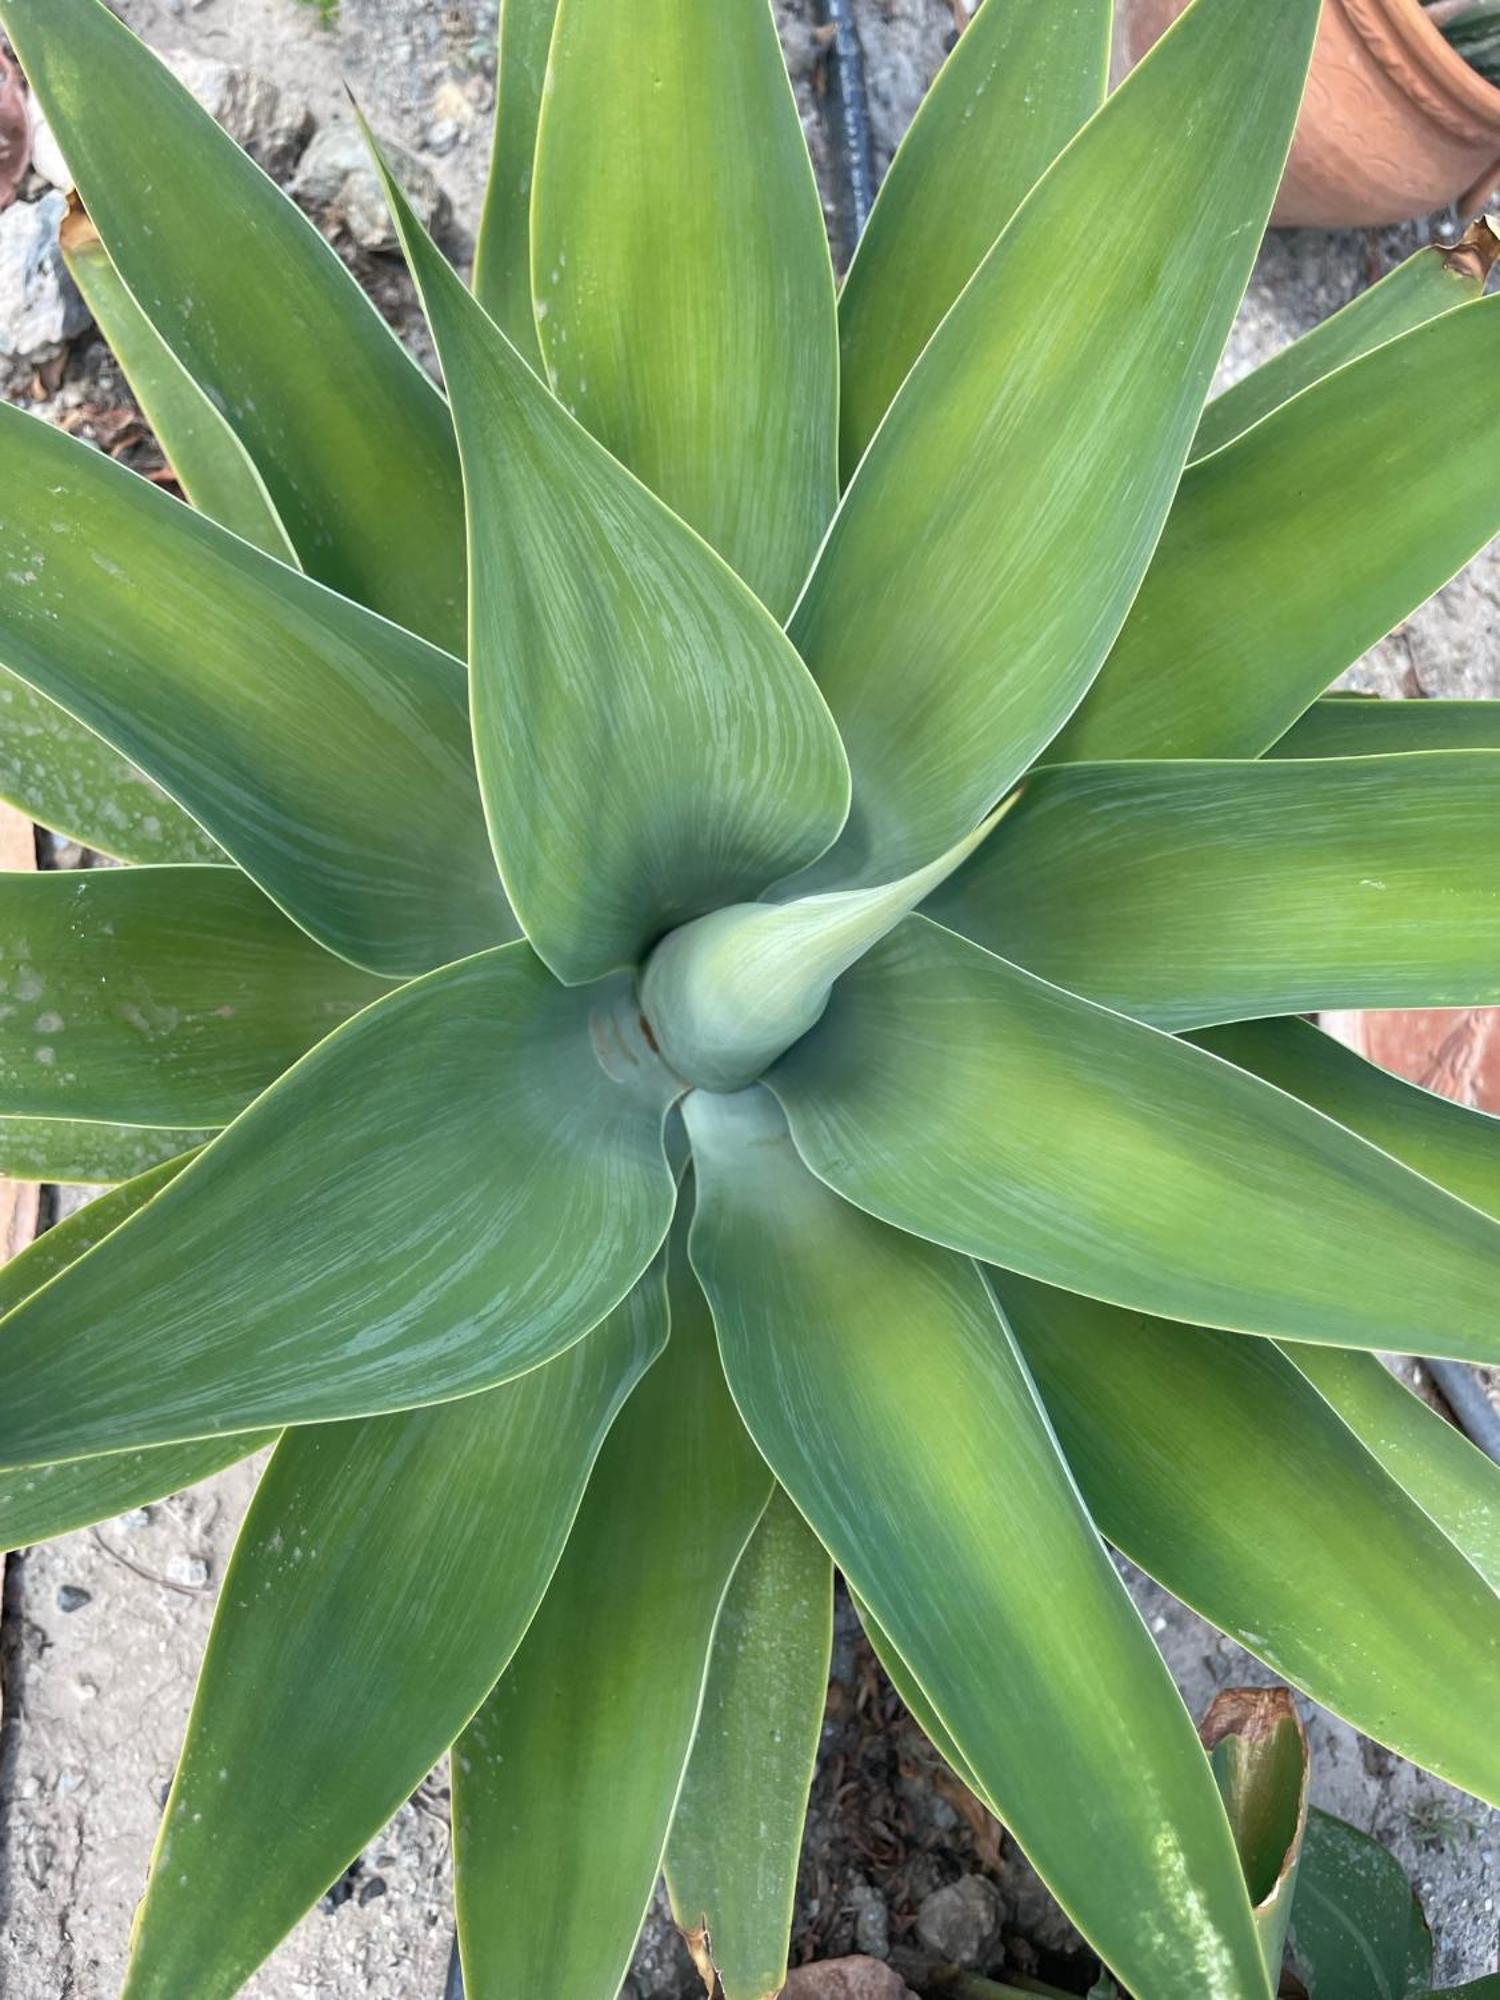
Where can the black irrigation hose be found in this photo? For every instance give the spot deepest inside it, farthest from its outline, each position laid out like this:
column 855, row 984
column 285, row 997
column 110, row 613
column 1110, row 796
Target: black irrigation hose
column 854, row 148
column 1474, row 1413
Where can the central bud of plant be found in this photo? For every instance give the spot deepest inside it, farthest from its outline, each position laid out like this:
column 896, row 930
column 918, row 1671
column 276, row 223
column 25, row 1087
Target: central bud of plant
column 727, row 994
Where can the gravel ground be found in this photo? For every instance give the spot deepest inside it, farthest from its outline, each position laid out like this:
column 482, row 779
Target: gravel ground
column 101, row 1631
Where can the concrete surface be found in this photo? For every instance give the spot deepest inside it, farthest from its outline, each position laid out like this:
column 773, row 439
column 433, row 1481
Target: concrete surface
column 102, row 1630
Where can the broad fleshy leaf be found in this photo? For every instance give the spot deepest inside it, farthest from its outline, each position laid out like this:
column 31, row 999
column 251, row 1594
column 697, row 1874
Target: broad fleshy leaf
column 451, row 1189
column 569, row 1773
column 1454, row 1482
column 385, row 1572
column 327, row 750
column 69, row 780
column 352, row 440
column 1237, row 628
column 1190, row 893
column 1365, row 726
column 727, row 993
column 502, row 256
column 988, row 549
column 649, row 745
column 958, row 1096
column 731, row 1862
column 1433, row 281
column 1358, row 1932
column 212, row 467
column 1019, row 84
column 1258, row 1749
column 941, row 1493
column 1210, row 1461
column 77, row 1149
column 679, row 263
column 40, row 1501
column 1449, row 1143
column 156, row 996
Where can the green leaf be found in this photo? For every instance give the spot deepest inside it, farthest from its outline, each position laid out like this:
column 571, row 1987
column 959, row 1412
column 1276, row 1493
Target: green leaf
column 71, row 781
column 680, row 265
column 988, row 549
column 694, row 760
column 156, row 996
column 1210, row 1461
column 941, row 1494
column 1434, row 281
column 1188, row 893
column 731, row 1862
column 1365, row 726
column 502, row 257
column 1477, row 1989
column 960, row 1097
column 40, row 1501
column 352, row 440
column 1236, row 627
column 448, row 1191
column 212, row 467
column 328, row 751
column 727, row 993
column 1358, row 1932
column 1443, row 1141
column 385, row 1573
column 1019, row 84
column 569, row 1773
column 1449, row 1478
column 1258, row 1749
column 78, row 1150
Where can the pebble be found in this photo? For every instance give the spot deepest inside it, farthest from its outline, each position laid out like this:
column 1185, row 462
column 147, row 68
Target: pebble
column 846, row 1979
column 40, row 309
column 73, row 1597
column 336, row 175
column 961, row 1922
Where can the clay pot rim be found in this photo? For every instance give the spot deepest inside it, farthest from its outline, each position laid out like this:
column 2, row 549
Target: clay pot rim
column 1458, row 98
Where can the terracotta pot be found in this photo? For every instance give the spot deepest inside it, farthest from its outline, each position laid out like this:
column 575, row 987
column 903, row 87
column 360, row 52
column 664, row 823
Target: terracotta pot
column 1395, row 124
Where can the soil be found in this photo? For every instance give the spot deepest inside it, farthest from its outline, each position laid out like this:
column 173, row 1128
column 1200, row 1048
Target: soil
column 101, row 1631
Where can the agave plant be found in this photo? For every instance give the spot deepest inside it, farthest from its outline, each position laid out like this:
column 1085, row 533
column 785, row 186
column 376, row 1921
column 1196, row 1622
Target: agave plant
column 1473, row 27
column 561, row 1128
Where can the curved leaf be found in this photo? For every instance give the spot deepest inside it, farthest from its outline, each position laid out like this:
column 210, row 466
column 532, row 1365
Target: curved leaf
column 1364, row 726
column 941, row 1493
column 680, row 267
column 77, row 1150
column 956, row 1095
column 731, row 1862
column 502, row 256
column 1358, row 1932
column 385, row 1572
column 694, row 760
column 38, row 1502
column 1258, row 1749
column 1236, row 629
column 1435, row 280
column 72, row 782
column 352, row 440
column 450, row 1190
column 156, row 996
column 1211, row 1462
column 1188, row 893
column 212, row 467
column 988, row 549
column 327, row 750
column 569, row 1773
column 1019, row 84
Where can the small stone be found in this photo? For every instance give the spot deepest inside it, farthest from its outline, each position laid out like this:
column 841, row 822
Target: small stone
column 40, row 309
column 273, row 125
column 190, row 1571
column 73, row 1597
column 371, row 1890
column 872, row 1922
column 960, row 1923
column 443, row 136
column 337, row 176
column 846, row 1979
